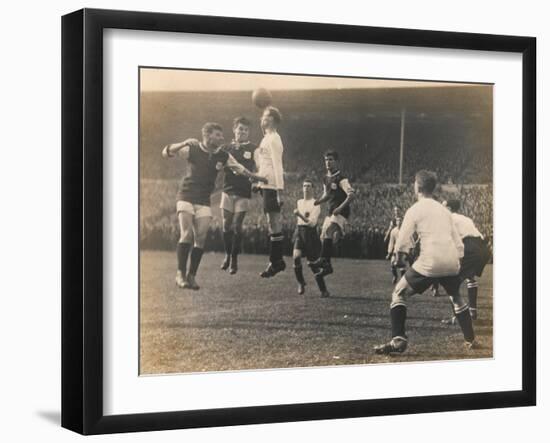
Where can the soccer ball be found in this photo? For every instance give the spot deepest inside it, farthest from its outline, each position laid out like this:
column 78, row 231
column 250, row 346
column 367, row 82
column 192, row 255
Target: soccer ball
column 262, row 98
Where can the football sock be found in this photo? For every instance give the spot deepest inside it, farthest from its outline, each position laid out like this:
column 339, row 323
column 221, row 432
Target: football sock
column 394, row 271
column 298, row 271
column 403, row 272
column 276, row 247
column 236, row 248
column 326, row 249
column 398, row 316
column 465, row 321
column 182, row 251
column 472, row 294
column 228, row 241
column 321, row 283
column 196, row 255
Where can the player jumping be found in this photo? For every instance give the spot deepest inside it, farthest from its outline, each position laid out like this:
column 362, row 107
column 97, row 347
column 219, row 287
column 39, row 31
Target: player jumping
column 476, row 255
column 204, row 160
column 338, row 192
column 439, row 261
column 306, row 239
column 269, row 162
column 236, row 193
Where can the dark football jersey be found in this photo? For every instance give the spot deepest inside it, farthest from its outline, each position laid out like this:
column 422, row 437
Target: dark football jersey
column 336, row 195
column 239, row 184
column 200, row 177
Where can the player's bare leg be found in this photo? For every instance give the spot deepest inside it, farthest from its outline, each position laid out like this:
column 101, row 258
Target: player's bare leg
column 183, row 248
column 398, row 314
column 298, row 271
column 227, row 226
column 237, row 239
column 276, row 262
column 200, row 230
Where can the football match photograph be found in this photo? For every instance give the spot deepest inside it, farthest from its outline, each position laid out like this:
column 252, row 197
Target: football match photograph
column 298, row 221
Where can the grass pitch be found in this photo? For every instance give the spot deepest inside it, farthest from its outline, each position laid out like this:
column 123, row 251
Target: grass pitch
column 241, row 321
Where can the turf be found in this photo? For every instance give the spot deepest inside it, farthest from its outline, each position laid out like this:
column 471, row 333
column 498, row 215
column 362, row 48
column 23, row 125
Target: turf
column 245, row 322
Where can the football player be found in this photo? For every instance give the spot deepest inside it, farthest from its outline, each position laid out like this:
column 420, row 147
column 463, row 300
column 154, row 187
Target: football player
column 338, row 193
column 306, row 239
column 269, row 163
column 439, row 261
column 392, row 253
column 236, row 193
column 204, row 160
column 476, row 255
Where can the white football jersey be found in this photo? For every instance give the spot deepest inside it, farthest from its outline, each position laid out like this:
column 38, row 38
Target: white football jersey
column 308, row 209
column 269, row 161
column 465, row 226
column 441, row 247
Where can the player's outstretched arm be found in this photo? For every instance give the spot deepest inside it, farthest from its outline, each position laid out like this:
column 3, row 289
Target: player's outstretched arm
column 237, row 168
column 181, row 149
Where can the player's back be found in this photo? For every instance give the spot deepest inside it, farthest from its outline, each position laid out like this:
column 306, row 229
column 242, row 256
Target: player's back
column 439, row 242
column 465, row 226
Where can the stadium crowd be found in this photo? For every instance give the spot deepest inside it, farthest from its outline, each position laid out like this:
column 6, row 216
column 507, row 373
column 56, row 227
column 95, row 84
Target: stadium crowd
column 364, row 236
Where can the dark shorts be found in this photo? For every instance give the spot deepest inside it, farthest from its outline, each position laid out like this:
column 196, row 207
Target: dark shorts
column 420, row 282
column 307, row 240
column 476, row 256
column 271, row 204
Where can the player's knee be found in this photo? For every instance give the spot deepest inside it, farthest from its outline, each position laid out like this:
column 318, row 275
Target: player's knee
column 296, row 254
column 400, row 293
column 297, row 262
column 186, row 236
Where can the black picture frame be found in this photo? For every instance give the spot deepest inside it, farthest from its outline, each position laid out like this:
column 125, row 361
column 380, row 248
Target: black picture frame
column 82, row 218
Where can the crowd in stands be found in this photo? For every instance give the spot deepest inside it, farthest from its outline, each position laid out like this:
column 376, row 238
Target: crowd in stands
column 364, row 235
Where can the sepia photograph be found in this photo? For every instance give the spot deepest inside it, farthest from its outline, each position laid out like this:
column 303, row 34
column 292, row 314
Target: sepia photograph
column 298, row 221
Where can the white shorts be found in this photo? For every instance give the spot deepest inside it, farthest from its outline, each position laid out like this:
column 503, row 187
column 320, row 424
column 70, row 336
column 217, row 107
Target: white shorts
column 340, row 220
column 234, row 203
column 196, row 210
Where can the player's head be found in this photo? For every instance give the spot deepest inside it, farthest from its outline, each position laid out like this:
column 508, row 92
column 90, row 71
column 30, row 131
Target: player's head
column 271, row 118
column 398, row 221
column 331, row 160
column 212, row 135
column 452, row 205
column 307, row 187
column 241, row 129
column 396, row 211
column 425, row 183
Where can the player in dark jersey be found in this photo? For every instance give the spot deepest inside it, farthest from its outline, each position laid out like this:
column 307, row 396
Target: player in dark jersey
column 204, row 160
column 236, row 192
column 338, row 193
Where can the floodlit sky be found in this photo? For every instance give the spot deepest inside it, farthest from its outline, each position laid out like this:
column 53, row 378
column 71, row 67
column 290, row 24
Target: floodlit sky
column 153, row 79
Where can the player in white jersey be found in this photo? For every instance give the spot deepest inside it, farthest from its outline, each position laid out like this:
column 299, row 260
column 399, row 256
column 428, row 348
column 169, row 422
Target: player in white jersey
column 392, row 252
column 269, row 163
column 306, row 239
column 476, row 255
column 439, row 261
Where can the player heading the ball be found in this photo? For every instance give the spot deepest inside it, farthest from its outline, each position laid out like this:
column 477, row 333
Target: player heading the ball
column 269, row 163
